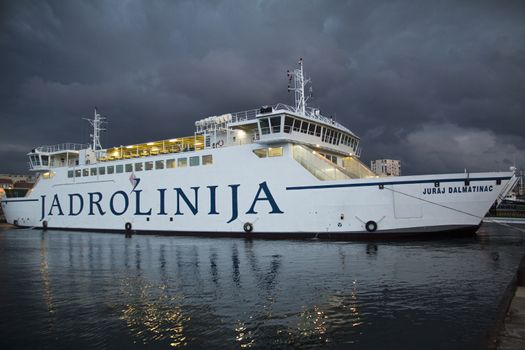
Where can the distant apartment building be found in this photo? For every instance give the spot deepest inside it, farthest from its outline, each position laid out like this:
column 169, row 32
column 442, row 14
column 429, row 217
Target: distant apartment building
column 386, row 167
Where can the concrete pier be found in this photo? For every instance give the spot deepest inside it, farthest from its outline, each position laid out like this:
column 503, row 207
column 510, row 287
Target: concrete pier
column 510, row 333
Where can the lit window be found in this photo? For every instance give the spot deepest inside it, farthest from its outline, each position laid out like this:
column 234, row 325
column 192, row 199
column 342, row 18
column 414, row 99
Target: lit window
column 139, row 166
column 48, row 175
column 93, row 171
column 148, row 165
column 70, row 173
column 170, row 163
column 207, row 160
column 159, row 164
column 102, row 170
column 129, row 168
column 182, row 162
column 261, row 152
column 275, row 151
column 111, row 169
column 194, row 161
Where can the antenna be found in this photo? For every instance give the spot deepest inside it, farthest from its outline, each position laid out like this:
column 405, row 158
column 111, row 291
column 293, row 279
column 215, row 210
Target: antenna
column 96, row 123
column 299, row 82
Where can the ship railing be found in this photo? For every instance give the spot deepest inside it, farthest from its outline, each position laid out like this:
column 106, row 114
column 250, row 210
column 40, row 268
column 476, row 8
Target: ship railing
column 61, row 147
column 310, row 113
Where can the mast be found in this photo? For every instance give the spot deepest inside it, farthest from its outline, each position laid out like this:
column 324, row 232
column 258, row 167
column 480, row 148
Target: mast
column 299, row 82
column 96, row 123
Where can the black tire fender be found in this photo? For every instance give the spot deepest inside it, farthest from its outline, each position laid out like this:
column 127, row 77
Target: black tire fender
column 248, row 227
column 371, row 226
column 127, row 226
column 44, row 224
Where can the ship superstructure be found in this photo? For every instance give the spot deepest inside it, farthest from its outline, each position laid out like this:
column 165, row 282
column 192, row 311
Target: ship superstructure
column 272, row 171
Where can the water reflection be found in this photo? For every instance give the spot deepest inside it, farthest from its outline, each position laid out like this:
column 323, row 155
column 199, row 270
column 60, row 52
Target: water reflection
column 152, row 313
column 44, row 271
column 231, row 293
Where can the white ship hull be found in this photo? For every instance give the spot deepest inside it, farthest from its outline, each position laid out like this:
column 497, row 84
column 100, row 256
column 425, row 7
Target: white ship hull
column 240, row 188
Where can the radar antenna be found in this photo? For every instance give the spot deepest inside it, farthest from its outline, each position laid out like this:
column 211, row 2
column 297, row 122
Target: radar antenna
column 299, row 82
column 96, row 123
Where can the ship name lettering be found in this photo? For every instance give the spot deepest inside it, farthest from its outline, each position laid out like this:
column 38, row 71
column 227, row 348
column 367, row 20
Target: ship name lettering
column 458, row 189
column 184, row 201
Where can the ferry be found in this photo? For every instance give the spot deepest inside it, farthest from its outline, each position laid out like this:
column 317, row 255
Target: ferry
column 275, row 171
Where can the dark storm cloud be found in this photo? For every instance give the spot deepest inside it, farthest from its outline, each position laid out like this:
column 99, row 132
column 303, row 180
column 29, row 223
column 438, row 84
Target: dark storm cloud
column 438, row 85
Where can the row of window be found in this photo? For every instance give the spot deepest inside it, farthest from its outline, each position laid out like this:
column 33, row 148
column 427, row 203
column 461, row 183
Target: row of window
column 328, row 135
column 140, row 166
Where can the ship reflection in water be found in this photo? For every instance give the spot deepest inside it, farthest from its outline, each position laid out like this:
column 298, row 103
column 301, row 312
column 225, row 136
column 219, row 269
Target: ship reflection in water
column 84, row 290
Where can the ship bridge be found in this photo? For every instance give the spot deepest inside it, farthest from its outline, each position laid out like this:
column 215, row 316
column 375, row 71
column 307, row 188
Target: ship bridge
column 44, row 158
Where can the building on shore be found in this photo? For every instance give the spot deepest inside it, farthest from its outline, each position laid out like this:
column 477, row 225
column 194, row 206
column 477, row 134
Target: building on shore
column 386, row 167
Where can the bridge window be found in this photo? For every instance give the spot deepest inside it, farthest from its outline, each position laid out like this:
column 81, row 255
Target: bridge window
column 111, row 169
column 265, row 126
column 304, row 127
column 159, row 164
column 182, row 162
column 170, row 163
column 297, row 125
column 129, row 167
column 318, row 130
column 288, row 123
column 85, row 172
column 102, row 170
column 207, row 159
column 45, row 160
column 70, row 173
column 139, row 166
column 93, row 171
column 148, row 165
column 194, row 161
column 119, row 168
column 276, row 124
column 311, row 130
column 77, row 173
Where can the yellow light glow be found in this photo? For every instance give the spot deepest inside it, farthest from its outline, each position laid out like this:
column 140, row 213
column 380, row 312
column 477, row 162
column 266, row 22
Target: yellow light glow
column 129, row 146
column 150, row 144
column 173, row 140
column 317, row 145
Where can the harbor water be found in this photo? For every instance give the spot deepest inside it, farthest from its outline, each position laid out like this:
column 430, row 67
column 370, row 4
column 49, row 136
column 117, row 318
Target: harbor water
column 65, row 290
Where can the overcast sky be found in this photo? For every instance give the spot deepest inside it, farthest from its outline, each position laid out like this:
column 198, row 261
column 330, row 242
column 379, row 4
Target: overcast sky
column 439, row 85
